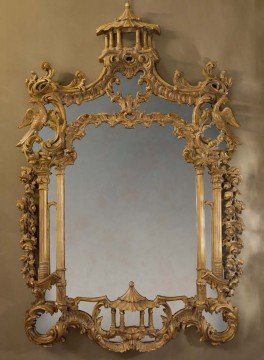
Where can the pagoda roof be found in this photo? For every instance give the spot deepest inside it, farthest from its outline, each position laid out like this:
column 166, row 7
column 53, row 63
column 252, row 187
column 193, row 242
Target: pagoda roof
column 132, row 301
column 128, row 21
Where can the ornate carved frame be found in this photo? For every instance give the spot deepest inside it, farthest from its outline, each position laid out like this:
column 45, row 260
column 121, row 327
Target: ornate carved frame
column 208, row 99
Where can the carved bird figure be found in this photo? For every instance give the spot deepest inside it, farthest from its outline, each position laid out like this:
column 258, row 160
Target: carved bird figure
column 34, row 119
column 198, row 115
column 222, row 118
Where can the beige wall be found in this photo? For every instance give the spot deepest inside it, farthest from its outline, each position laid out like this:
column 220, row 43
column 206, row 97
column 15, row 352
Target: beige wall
column 63, row 32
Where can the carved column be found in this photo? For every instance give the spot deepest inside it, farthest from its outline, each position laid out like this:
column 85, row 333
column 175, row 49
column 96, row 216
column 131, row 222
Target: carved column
column 106, row 41
column 60, row 237
column 141, row 320
column 149, row 40
column 138, row 42
column 150, row 318
column 122, row 320
column 113, row 320
column 145, row 39
column 217, row 266
column 200, row 224
column 44, row 243
column 118, row 39
column 111, row 39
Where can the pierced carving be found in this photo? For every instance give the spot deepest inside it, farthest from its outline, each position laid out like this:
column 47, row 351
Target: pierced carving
column 233, row 227
column 208, row 99
column 133, row 336
column 28, row 205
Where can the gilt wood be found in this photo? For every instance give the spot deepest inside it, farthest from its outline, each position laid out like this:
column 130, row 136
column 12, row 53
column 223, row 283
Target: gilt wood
column 208, row 99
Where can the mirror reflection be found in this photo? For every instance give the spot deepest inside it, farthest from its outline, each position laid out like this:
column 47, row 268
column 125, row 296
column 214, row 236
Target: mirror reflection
column 130, row 208
column 130, row 214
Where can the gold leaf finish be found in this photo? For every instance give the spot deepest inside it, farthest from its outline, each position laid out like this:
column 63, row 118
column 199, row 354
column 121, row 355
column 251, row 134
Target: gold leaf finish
column 208, row 99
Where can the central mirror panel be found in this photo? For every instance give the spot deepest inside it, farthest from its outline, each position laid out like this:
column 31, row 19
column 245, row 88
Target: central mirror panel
column 130, row 208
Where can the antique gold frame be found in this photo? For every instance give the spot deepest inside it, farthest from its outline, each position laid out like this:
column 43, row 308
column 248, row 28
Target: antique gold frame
column 208, row 98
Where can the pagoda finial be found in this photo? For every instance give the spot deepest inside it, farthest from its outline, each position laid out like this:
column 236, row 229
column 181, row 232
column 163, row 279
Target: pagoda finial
column 128, row 22
column 132, row 301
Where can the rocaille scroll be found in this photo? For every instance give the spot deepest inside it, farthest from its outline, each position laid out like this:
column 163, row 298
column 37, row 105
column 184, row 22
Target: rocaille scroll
column 209, row 100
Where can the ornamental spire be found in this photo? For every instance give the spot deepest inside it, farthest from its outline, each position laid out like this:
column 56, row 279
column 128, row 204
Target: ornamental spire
column 128, row 22
column 132, row 301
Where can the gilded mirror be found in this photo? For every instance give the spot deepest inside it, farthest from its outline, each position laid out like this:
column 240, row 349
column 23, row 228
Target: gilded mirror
column 196, row 127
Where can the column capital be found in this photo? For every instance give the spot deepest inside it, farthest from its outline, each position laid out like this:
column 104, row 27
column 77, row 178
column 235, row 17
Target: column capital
column 199, row 169
column 43, row 179
column 60, row 170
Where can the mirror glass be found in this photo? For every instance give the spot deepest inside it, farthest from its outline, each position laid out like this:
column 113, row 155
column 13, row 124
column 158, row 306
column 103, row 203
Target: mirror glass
column 130, row 207
column 130, row 214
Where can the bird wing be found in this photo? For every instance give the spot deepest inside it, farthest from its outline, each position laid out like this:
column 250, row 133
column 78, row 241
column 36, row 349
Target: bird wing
column 25, row 137
column 27, row 120
column 229, row 117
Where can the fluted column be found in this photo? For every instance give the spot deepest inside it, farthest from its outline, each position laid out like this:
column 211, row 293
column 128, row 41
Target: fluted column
column 217, row 266
column 44, row 243
column 60, row 237
column 200, row 225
